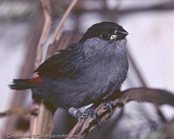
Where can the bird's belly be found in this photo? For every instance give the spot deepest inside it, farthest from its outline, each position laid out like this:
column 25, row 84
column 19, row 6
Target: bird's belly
column 100, row 82
column 107, row 80
column 88, row 88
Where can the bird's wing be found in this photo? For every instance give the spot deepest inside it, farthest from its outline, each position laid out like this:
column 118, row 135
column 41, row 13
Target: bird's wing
column 69, row 63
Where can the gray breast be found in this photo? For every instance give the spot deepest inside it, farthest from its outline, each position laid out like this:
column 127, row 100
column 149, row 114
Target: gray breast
column 107, row 74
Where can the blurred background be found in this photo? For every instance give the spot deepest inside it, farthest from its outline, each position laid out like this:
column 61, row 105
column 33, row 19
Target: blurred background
column 150, row 48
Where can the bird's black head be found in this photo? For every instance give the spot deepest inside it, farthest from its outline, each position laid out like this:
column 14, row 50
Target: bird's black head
column 106, row 31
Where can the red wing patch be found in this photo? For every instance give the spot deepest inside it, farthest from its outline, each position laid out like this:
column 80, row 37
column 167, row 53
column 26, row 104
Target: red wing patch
column 35, row 80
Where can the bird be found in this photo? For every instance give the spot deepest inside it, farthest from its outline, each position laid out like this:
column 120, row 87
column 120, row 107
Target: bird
column 85, row 72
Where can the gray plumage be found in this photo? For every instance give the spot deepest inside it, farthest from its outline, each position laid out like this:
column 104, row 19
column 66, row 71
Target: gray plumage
column 87, row 71
column 104, row 69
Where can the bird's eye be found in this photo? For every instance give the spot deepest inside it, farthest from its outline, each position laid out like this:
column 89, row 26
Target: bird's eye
column 104, row 35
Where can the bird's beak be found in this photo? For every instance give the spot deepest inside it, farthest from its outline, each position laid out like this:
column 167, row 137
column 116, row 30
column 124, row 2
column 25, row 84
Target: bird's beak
column 121, row 34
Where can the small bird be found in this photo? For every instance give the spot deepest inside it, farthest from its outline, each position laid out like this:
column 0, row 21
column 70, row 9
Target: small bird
column 85, row 72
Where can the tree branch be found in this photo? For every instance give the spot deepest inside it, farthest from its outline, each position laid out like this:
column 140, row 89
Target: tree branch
column 37, row 126
column 83, row 127
column 18, row 111
column 46, row 29
column 45, row 113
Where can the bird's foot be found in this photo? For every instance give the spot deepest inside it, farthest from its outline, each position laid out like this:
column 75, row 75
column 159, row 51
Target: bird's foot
column 94, row 115
column 84, row 115
column 109, row 105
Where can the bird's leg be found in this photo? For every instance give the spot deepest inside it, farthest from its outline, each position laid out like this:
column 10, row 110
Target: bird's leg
column 74, row 112
column 109, row 105
column 87, row 113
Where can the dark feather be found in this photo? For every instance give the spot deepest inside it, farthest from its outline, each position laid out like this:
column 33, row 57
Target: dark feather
column 68, row 64
column 21, row 84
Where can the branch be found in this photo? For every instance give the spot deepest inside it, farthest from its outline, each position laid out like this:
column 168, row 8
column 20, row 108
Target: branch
column 46, row 113
column 18, row 111
column 83, row 127
column 66, row 38
column 135, row 68
column 37, row 126
column 73, row 3
column 46, row 29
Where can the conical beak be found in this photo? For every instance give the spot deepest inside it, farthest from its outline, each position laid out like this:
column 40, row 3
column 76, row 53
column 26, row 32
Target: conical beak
column 121, row 34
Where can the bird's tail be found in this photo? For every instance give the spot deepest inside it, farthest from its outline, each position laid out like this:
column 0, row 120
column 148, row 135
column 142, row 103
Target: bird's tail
column 22, row 84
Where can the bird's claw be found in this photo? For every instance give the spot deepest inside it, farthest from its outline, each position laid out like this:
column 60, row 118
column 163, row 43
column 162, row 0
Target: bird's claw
column 109, row 105
column 84, row 115
column 95, row 117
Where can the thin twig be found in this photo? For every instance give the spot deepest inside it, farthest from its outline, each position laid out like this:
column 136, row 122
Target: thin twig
column 46, row 29
column 18, row 111
column 135, row 67
column 73, row 3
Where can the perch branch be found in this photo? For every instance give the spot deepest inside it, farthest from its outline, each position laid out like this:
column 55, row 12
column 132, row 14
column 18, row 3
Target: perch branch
column 45, row 113
column 83, row 127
